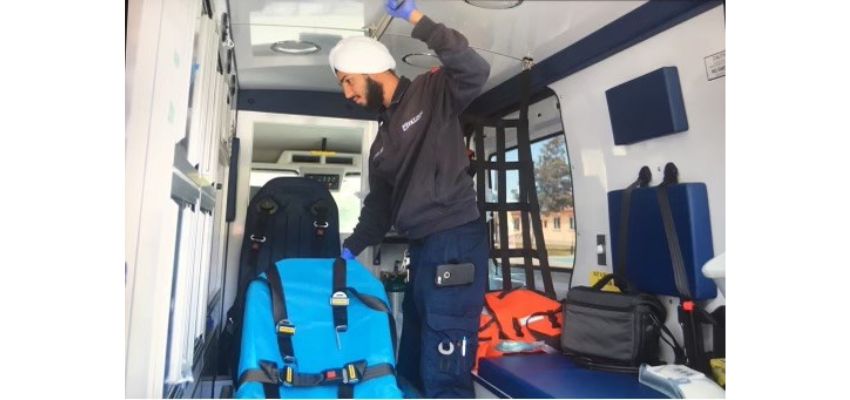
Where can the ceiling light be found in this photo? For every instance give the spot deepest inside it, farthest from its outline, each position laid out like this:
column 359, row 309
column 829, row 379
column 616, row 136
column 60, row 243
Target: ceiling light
column 295, row 47
column 421, row 60
column 494, row 4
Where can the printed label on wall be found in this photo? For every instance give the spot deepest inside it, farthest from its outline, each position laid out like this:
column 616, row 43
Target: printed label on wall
column 715, row 65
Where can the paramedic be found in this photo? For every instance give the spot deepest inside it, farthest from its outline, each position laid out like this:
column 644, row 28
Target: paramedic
column 418, row 183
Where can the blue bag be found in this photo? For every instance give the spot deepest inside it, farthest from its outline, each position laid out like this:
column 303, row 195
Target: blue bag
column 332, row 337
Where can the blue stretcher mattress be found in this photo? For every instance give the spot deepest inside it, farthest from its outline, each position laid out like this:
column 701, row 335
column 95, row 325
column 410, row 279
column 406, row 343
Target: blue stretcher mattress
column 307, row 289
column 648, row 264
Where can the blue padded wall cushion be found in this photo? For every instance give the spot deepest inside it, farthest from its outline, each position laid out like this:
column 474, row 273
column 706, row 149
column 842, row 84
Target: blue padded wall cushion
column 648, row 264
column 307, row 288
column 647, row 107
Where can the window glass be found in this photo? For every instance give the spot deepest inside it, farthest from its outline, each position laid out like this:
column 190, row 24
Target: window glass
column 553, row 179
column 348, row 202
column 260, row 177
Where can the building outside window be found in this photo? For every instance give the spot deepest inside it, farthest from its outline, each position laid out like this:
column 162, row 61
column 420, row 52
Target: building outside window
column 553, row 179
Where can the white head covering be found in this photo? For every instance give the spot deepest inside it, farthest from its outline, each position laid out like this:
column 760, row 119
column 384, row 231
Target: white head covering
column 360, row 55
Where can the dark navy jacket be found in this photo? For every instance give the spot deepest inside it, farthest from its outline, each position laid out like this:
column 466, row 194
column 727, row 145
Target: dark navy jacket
column 418, row 177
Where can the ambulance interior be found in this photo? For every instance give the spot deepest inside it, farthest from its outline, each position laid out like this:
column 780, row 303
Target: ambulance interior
column 256, row 73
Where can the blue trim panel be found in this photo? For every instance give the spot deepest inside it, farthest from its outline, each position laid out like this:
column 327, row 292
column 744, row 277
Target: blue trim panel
column 642, row 23
column 301, row 102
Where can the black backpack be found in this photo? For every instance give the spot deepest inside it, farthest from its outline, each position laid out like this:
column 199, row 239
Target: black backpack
column 289, row 217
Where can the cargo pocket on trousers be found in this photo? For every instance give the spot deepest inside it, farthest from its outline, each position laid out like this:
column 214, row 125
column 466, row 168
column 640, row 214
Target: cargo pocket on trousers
column 453, row 340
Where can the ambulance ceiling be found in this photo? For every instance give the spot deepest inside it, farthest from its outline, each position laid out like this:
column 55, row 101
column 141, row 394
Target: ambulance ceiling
column 272, row 137
column 534, row 28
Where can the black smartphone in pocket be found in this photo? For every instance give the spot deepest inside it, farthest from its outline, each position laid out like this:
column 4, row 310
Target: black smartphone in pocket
column 455, row 274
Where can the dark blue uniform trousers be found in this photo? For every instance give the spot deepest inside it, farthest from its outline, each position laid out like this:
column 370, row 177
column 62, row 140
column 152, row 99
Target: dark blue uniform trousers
column 440, row 327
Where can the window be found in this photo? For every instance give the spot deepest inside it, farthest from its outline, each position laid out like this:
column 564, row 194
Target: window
column 553, row 179
column 260, row 177
column 348, row 202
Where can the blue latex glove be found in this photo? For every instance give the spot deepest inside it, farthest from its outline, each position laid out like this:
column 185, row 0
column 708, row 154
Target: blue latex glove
column 400, row 11
column 346, row 254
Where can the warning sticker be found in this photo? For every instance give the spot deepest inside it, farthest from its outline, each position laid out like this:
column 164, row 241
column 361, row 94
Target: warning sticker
column 595, row 276
column 715, row 65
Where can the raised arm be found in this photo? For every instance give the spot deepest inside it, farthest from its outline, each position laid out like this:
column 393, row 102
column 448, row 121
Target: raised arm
column 466, row 71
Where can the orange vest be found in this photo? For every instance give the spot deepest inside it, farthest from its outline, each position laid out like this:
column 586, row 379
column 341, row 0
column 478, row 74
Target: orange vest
column 519, row 314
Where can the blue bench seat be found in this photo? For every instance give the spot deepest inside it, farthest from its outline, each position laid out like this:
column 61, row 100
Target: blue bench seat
column 541, row 376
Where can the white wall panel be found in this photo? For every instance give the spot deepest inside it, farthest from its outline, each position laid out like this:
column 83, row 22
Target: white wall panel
column 158, row 60
column 599, row 166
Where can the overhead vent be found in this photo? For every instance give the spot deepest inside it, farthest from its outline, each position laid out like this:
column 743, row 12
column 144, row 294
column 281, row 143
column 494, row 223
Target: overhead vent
column 339, row 160
column 494, row 4
column 302, row 158
column 320, row 157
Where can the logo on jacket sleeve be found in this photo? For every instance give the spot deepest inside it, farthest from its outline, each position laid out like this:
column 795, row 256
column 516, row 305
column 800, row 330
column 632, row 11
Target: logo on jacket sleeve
column 405, row 126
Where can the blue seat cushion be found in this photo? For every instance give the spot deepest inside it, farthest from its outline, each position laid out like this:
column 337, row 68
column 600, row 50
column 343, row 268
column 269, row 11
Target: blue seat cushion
column 307, row 287
column 648, row 264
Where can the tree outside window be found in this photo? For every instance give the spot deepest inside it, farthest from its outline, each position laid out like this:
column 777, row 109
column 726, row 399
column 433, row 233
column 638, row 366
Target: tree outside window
column 553, row 181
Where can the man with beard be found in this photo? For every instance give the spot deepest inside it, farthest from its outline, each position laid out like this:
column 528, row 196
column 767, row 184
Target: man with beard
column 418, row 182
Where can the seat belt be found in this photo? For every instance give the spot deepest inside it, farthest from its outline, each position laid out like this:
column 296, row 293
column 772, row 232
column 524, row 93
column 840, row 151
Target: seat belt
column 349, row 375
column 644, row 177
column 267, row 207
column 671, row 177
column 339, row 299
column 339, row 304
column 690, row 315
column 284, row 329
